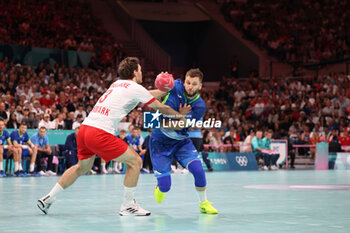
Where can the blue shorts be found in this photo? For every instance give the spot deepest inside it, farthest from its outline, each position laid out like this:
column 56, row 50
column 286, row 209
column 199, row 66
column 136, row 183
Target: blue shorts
column 164, row 151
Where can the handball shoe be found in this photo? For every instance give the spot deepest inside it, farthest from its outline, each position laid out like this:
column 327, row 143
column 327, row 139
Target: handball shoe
column 134, row 209
column 44, row 203
column 207, row 208
column 158, row 195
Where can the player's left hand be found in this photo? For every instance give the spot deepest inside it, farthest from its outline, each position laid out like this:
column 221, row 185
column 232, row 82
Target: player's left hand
column 184, row 110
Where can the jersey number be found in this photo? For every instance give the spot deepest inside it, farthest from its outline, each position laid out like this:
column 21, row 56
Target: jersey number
column 104, row 97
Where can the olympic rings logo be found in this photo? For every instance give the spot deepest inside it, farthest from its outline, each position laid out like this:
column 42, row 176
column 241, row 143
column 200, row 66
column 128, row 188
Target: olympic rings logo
column 242, row 161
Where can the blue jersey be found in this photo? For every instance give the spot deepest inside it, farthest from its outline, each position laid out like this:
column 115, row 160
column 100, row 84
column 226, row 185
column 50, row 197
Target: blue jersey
column 134, row 142
column 20, row 139
column 4, row 137
column 174, row 98
column 40, row 141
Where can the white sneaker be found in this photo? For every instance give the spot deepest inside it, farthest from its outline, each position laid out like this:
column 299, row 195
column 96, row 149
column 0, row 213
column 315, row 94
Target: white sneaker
column 144, row 170
column 104, row 171
column 266, row 168
column 50, row 173
column 116, row 171
column 133, row 209
column 274, row 167
column 44, row 203
column 42, row 173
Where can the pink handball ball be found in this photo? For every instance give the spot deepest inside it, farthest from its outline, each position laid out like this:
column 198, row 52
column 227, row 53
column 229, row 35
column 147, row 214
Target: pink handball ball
column 164, row 82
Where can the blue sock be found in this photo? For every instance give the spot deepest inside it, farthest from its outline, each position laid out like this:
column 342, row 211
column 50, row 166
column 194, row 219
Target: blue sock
column 164, row 183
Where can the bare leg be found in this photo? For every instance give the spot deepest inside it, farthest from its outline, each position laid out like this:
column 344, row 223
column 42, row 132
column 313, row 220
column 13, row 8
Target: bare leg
column 34, row 153
column 1, row 153
column 1, row 157
column 69, row 176
column 133, row 162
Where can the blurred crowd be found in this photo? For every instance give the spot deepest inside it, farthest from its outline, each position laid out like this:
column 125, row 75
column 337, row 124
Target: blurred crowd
column 302, row 31
column 312, row 109
column 66, row 24
column 55, row 97
column 307, row 110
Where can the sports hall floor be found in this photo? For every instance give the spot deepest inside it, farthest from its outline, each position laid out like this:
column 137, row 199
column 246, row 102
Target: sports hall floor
column 262, row 201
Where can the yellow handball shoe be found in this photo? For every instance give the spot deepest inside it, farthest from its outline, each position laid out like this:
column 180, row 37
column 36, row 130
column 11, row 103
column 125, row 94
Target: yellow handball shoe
column 207, row 208
column 158, row 195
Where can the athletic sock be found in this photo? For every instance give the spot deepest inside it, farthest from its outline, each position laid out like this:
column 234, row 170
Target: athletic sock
column 55, row 190
column 20, row 166
column 128, row 195
column 31, row 167
column 115, row 166
column 16, row 166
column 202, row 195
column 103, row 167
column 1, row 166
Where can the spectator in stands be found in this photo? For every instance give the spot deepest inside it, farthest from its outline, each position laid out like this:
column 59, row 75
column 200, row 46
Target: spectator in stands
column 31, row 120
column 20, row 141
column 247, row 142
column 59, row 122
column 3, row 113
column 345, row 141
column 80, row 111
column 46, row 122
column 231, row 138
column 12, row 123
column 71, row 149
column 4, row 137
column 272, row 157
column 147, row 164
column 258, row 147
column 204, row 150
column 78, row 121
column 69, row 120
column 134, row 140
column 42, row 150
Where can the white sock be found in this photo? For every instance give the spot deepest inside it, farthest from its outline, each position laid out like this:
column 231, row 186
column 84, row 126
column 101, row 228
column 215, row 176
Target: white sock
column 202, row 196
column 103, row 167
column 31, row 167
column 20, row 166
column 16, row 166
column 115, row 166
column 1, row 166
column 120, row 167
column 128, row 195
column 55, row 190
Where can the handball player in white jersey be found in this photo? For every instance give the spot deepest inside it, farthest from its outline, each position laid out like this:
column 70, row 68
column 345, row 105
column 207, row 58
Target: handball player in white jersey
column 97, row 135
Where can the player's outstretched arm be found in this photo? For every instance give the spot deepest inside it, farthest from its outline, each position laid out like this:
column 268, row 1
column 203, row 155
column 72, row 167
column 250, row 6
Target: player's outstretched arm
column 168, row 111
column 157, row 93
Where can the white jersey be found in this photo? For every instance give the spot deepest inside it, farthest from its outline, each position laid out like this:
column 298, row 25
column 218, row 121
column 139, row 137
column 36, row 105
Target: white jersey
column 121, row 97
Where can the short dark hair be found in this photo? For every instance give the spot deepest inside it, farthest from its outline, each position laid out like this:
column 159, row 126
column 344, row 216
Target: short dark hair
column 127, row 67
column 43, row 127
column 195, row 73
column 23, row 123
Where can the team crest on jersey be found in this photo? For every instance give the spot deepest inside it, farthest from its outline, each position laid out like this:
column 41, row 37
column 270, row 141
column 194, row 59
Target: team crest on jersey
column 151, row 120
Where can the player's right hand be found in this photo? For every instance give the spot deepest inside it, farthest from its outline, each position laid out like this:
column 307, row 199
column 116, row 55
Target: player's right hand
column 184, row 110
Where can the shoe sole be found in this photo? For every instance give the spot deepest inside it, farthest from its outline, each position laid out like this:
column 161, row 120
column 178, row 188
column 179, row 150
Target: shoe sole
column 129, row 214
column 41, row 206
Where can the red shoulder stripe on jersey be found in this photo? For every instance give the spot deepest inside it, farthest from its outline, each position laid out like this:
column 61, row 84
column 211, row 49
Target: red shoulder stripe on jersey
column 149, row 102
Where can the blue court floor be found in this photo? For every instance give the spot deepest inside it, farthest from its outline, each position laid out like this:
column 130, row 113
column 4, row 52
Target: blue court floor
column 262, row 201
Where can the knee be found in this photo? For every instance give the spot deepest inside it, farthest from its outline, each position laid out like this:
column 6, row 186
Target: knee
column 197, row 170
column 135, row 162
column 80, row 169
column 164, row 183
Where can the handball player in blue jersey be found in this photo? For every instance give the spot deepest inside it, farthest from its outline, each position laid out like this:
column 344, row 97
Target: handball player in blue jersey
column 168, row 143
column 4, row 137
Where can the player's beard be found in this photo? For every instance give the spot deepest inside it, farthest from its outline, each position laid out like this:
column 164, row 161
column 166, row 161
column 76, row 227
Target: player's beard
column 193, row 95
